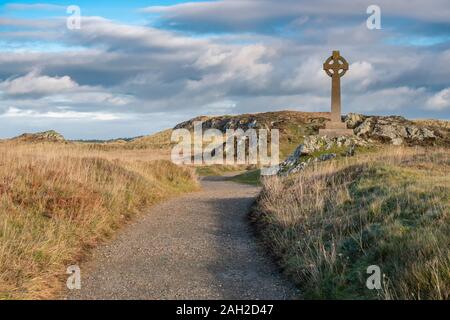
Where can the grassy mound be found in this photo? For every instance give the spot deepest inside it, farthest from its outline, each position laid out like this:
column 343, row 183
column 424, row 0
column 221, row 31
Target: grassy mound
column 56, row 202
column 46, row 136
column 327, row 225
column 159, row 140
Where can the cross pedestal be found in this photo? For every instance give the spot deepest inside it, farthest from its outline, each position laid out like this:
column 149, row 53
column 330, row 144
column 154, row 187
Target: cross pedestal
column 335, row 66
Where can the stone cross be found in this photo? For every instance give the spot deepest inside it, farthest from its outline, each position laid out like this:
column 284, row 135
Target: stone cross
column 335, row 66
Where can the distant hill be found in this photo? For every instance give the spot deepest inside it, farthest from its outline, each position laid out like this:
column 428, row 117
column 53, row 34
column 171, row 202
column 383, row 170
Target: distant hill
column 46, row 136
column 117, row 140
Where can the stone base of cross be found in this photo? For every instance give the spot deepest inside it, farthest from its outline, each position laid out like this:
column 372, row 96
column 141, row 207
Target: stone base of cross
column 335, row 129
column 335, row 66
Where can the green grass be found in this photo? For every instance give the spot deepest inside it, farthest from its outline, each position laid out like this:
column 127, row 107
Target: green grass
column 330, row 223
column 342, row 151
column 218, row 170
column 293, row 135
column 252, row 177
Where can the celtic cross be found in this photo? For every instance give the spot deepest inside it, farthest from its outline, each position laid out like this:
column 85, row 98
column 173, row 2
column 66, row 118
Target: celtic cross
column 335, row 66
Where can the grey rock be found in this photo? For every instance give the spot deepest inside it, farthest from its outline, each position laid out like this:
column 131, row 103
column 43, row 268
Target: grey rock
column 327, row 156
column 392, row 129
column 353, row 120
column 299, row 159
column 351, row 151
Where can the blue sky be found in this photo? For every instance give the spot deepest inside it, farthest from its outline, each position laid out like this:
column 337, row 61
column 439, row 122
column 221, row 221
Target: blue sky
column 136, row 67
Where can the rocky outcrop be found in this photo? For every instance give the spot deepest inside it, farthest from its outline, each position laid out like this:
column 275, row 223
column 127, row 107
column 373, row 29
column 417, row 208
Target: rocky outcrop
column 315, row 143
column 369, row 130
column 316, row 149
column 385, row 129
column 353, row 120
column 46, row 136
column 391, row 129
column 281, row 120
column 189, row 124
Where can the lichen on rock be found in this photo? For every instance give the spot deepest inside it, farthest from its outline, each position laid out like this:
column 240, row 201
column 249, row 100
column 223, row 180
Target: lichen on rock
column 320, row 148
column 395, row 130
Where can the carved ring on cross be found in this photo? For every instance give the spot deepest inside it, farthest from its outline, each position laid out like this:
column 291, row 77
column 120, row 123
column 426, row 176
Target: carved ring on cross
column 335, row 64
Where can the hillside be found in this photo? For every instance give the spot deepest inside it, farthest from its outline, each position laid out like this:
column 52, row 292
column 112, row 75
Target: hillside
column 327, row 224
column 159, row 140
column 299, row 128
column 294, row 126
column 58, row 200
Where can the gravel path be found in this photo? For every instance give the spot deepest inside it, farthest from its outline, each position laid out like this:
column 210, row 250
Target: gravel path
column 198, row 246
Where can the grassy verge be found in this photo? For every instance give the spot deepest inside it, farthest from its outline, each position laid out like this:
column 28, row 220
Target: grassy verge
column 252, row 177
column 219, row 170
column 57, row 202
column 332, row 221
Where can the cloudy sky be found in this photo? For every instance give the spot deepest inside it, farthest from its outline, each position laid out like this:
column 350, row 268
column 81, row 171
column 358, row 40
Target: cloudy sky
column 135, row 67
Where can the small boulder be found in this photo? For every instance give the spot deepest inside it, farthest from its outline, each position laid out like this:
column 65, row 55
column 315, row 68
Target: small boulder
column 353, row 120
column 326, row 156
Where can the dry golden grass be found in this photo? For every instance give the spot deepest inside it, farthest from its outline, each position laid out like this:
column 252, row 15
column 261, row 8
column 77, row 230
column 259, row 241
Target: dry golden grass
column 391, row 209
column 433, row 122
column 109, row 151
column 59, row 200
column 159, row 140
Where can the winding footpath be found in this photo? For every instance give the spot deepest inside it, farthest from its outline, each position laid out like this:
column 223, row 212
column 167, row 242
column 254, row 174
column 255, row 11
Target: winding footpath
column 198, row 246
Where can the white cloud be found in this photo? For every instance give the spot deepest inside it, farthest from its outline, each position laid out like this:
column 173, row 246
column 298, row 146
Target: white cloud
column 309, row 76
column 90, row 95
column 31, row 23
column 360, row 70
column 220, row 107
column 35, row 84
column 360, row 75
column 226, row 66
column 248, row 14
column 399, row 99
column 161, row 77
column 60, row 90
column 34, row 6
column 440, row 100
column 63, row 114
